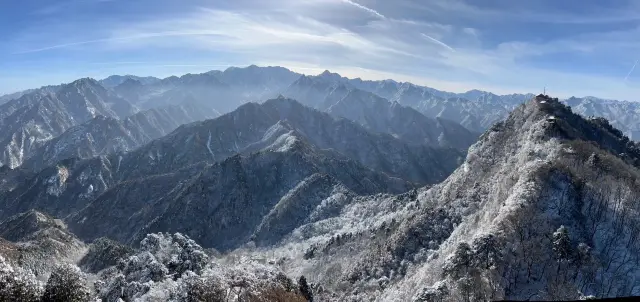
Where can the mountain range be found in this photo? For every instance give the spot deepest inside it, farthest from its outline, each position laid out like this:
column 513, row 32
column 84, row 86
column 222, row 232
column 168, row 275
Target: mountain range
column 244, row 179
column 256, row 151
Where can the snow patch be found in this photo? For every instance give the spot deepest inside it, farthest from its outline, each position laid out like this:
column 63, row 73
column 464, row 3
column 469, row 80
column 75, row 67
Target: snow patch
column 57, row 182
column 284, row 142
column 209, row 147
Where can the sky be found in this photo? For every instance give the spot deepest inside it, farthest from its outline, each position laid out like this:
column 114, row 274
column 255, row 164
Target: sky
column 580, row 48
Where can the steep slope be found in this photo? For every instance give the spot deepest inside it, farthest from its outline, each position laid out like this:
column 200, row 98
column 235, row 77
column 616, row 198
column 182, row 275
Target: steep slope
column 281, row 140
column 220, row 90
column 319, row 92
column 26, row 128
column 51, row 89
column 105, row 135
column 10, row 178
column 85, row 99
column 258, row 83
column 379, row 115
column 160, row 121
column 562, row 225
column 32, row 120
column 99, row 136
column 61, row 189
column 478, row 113
column 476, row 110
column 623, row 115
column 574, row 173
column 115, row 80
column 252, row 127
column 39, row 242
column 132, row 90
column 222, row 204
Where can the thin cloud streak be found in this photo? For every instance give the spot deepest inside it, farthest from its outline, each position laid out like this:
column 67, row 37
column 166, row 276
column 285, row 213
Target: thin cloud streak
column 434, row 40
column 115, row 39
column 630, row 71
column 367, row 9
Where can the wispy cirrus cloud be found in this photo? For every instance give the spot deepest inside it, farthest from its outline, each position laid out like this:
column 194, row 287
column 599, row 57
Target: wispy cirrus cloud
column 136, row 37
column 434, row 40
column 631, row 71
column 504, row 47
column 362, row 7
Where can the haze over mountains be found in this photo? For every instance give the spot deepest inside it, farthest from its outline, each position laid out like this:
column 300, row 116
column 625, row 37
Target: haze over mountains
column 373, row 190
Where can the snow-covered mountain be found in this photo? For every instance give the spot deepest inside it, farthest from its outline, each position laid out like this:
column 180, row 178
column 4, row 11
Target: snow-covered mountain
column 107, row 135
column 33, row 119
column 480, row 112
column 221, row 90
column 38, row 243
column 319, row 92
column 253, row 127
column 165, row 267
column 99, row 136
column 379, row 115
column 623, row 115
column 115, row 80
column 543, row 208
column 253, row 159
column 475, row 110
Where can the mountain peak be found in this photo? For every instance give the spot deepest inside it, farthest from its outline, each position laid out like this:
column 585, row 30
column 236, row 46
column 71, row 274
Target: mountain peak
column 84, row 82
column 130, row 82
column 331, row 76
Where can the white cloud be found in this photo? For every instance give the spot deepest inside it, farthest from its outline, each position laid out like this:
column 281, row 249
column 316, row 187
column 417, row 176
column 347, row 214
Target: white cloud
column 631, row 71
column 254, row 33
column 437, row 41
column 362, row 7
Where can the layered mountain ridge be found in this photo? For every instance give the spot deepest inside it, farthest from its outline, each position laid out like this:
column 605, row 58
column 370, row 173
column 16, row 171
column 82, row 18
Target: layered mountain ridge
column 367, row 188
column 259, row 152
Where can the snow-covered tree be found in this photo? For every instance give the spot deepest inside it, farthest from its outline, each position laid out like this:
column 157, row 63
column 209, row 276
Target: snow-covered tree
column 17, row 284
column 205, row 289
column 562, row 244
column 66, row 284
column 458, row 264
column 436, row 293
column 486, row 251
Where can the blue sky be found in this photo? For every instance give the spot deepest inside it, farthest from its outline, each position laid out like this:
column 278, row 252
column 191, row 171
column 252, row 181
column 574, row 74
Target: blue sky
column 578, row 48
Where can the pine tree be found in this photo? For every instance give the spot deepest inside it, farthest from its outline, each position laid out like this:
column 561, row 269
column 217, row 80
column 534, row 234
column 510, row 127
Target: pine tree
column 66, row 283
column 562, row 244
column 305, row 289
